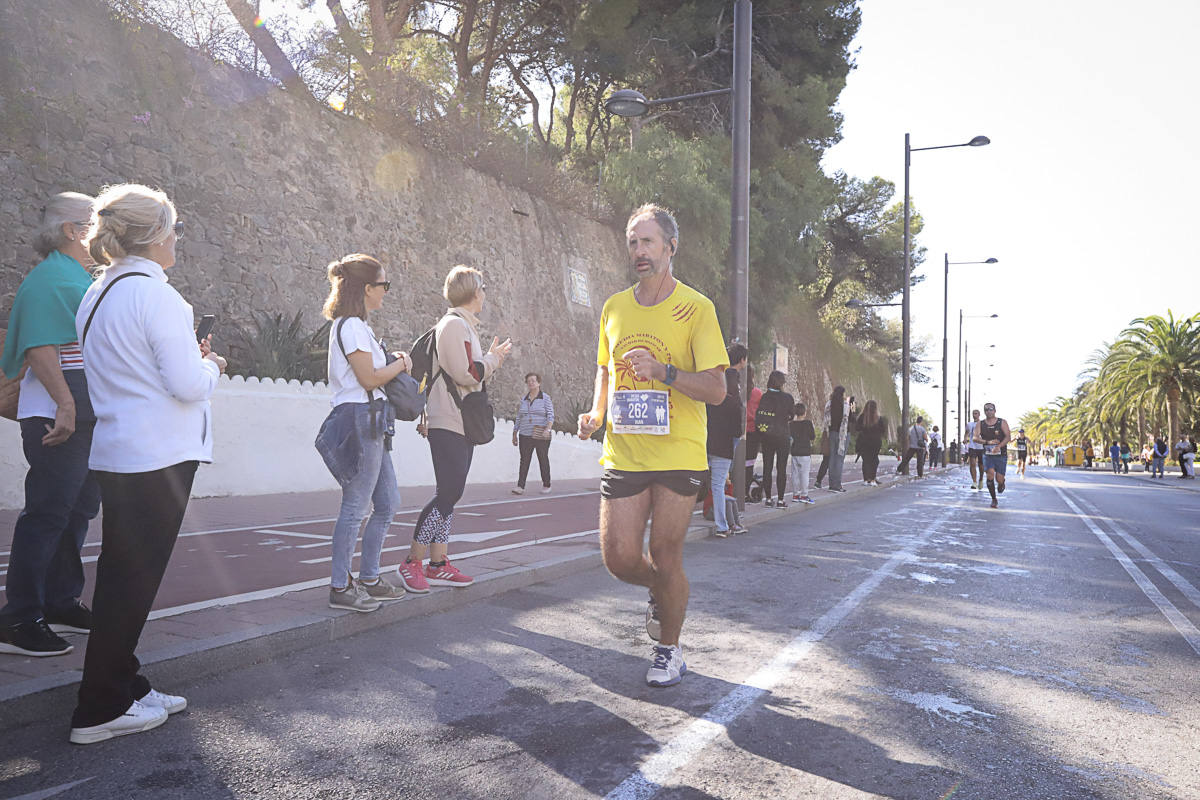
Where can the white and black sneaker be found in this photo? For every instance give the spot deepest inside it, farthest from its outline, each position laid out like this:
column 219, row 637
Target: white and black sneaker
column 667, row 667
column 139, row 717
column 170, row 703
column 32, row 639
column 653, row 627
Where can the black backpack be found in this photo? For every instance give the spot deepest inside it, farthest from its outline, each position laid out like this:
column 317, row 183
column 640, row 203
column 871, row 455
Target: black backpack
column 770, row 420
column 478, row 417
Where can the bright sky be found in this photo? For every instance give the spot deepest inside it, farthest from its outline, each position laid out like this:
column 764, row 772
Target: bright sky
column 1087, row 193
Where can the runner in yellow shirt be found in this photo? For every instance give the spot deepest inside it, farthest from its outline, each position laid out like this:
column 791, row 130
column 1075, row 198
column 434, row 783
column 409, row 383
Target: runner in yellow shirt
column 661, row 358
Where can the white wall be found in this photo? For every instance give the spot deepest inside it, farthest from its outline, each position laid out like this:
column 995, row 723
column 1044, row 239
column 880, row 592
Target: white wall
column 264, row 444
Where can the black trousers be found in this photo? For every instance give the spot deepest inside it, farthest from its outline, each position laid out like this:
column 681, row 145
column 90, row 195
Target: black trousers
column 528, row 446
column 919, row 452
column 775, row 453
column 142, row 515
column 824, row 468
column 452, row 455
column 870, row 465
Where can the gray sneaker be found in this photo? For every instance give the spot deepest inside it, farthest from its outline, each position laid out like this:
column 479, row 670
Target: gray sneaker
column 653, row 628
column 383, row 591
column 353, row 598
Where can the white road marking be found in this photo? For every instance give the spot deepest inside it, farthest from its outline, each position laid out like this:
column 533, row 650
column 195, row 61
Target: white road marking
column 263, row 594
column 681, row 750
column 525, row 516
column 293, row 533
column 461, row 556
column 1181, row 623
column 45, row 794
column 481, row 537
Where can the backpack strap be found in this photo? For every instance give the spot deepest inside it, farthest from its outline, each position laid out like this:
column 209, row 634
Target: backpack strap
column 451, row 386
column 100, row 299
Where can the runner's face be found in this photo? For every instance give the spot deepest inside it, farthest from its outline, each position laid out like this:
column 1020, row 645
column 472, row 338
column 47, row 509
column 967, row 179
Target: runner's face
column 649, row 250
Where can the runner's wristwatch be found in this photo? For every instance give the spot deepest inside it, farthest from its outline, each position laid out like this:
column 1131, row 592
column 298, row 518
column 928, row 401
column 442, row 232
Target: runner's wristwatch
column 672, row 373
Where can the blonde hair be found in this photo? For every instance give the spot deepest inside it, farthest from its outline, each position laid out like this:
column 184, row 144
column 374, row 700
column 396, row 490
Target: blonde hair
column 462, row 284
column 126, row 218
column 60, row 209
column 348, row 279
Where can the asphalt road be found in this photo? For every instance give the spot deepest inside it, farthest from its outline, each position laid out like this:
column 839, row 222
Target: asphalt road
column 911, row 644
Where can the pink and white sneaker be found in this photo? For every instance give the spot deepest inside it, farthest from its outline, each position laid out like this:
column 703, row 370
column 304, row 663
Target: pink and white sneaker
column 446, row 575
column 412, row 577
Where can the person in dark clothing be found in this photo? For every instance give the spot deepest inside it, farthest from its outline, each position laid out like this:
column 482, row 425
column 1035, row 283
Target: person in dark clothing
column 753, row 395
column 724, row 428
column 771, row 422
column 871, row 429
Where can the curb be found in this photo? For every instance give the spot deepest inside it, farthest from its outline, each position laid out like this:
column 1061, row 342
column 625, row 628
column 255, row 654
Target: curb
column 35, row 699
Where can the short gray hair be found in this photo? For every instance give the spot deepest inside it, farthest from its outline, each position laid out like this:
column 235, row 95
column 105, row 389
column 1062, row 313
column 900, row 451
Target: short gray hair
column 664, row 218
column 60, row 209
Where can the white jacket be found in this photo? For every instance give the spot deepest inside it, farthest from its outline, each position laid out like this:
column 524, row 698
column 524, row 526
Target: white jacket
column 148, row 382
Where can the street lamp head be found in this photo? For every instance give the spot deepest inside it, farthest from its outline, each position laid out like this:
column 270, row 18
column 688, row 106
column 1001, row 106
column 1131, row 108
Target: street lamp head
column 627, row 103
column 992, row 261
column 978, row 141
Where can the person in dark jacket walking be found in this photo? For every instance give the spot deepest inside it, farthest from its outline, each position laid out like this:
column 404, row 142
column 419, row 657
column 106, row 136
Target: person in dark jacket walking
column 724, row 428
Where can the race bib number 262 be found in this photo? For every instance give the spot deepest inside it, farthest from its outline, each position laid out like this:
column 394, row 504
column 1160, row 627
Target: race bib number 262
column 643, row 412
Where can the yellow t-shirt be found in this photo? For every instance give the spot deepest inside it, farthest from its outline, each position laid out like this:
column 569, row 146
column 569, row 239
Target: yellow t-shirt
column 682, row 330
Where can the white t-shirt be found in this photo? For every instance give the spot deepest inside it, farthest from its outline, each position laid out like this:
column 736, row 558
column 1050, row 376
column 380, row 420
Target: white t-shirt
column 356, row 335
column 971, row 443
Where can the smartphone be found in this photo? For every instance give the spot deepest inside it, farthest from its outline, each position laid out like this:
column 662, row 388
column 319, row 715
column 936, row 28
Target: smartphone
column 205, row 327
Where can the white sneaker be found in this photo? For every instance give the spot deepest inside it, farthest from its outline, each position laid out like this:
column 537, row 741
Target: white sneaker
column 171, row 703
column 667, row 668
column 518, row 490
column 136, row 719
column 653, row 627
column 545, row 490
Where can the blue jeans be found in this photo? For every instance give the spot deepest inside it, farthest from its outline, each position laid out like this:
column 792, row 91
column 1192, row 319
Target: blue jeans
column 719, row 470
column 1156, row 465
column 374, row 485
column 61, row 498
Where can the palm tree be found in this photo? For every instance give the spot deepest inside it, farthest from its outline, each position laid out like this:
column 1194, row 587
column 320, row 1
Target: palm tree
column 1156, row 363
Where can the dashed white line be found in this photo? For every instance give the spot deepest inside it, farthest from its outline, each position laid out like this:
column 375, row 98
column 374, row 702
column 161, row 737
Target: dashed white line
column 525, row 516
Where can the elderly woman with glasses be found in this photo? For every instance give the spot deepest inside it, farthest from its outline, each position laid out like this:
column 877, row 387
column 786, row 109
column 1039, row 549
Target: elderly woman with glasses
column 45, row 573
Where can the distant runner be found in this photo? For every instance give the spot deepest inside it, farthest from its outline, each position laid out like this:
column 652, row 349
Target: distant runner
column 1022, row 452
column 992, row 434
column 974, row 453
column 661, row 357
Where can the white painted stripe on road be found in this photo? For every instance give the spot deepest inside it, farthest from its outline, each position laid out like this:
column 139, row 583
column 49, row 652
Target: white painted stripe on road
column 680, row 751
column 461, row 556
column 524, row 516
column 1181, row 623
column 264, row 594
column 293, row 533
column 53, row 791
column 1188, row 590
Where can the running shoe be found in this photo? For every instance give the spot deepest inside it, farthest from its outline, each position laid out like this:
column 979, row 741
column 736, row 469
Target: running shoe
column 353, row 597
column 446, row 575
column 781, row 503
column 795, row 498
column 817, row 484
column 840, row 489
column 546, row 490
column 721, row 534
column 1000, row 487
column 995, row 504
column 667, row 667
column 384, row 590
column 75, row 619
column 32, row 639
column 738, row 530
column 170, row 703
column 807, row 499
column 137, row 718
column 412, row 577
column 653, row 627
column 518, row 490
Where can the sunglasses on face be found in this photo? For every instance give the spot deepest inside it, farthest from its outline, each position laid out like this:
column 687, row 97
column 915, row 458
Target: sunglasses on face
column 385, row 284
column 178, row 229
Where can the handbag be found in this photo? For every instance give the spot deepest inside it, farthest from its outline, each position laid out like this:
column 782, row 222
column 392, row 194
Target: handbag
column 402, row 391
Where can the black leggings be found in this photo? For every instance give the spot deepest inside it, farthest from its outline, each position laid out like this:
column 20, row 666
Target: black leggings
column 528, row 446
column 451, row 462
column 775, row 452
column 142, row 515
column 870, row 465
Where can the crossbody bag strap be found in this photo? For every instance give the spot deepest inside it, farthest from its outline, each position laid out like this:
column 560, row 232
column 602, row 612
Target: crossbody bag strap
column 100, row 299
column 451, row 386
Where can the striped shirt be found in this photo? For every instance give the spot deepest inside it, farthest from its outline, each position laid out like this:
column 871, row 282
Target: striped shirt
column 536, row 412
column 70, row 356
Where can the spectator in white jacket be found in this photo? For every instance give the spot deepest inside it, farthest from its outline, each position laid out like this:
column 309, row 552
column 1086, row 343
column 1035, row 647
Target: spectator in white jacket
column 150, row 384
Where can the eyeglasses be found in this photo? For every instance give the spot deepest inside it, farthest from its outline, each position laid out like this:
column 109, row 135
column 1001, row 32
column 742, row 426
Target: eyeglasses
column 385, row 284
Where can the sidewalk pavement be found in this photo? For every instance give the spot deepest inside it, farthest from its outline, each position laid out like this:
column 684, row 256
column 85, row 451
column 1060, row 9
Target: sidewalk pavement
column 192, row 644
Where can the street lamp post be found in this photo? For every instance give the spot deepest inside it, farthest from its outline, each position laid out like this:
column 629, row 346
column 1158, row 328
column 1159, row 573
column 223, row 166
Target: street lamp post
column 629, row 103
column 945, row 325
column 978, row 141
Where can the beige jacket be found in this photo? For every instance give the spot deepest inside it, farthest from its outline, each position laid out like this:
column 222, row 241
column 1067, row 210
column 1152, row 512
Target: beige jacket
column 454, row 336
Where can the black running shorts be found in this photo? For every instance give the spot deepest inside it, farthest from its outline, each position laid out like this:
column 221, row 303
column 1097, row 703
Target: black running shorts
column 618, row 483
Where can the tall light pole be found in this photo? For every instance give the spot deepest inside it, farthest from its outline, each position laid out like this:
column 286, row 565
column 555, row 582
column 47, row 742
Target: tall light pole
column 964, row 410
column 945, row 325
column 629, row 103
column 978, row 141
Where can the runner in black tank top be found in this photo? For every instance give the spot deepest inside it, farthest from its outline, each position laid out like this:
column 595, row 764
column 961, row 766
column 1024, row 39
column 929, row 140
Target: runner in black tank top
column 993, row 433
column 1022, row 452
